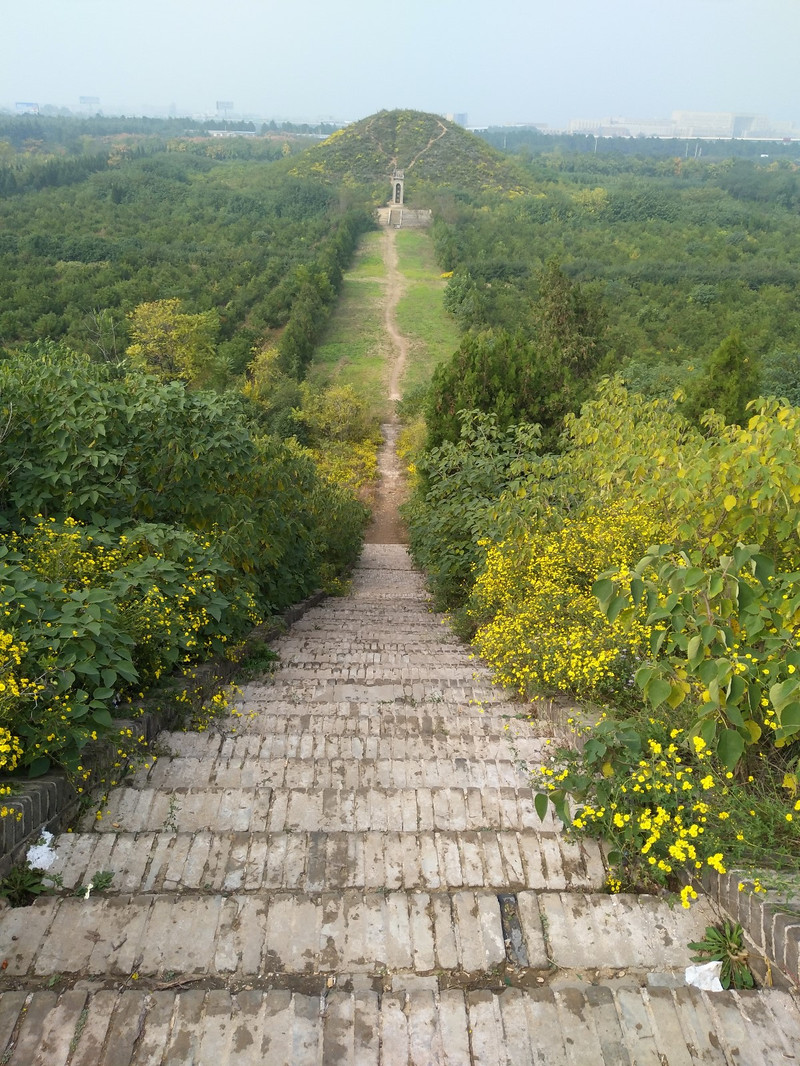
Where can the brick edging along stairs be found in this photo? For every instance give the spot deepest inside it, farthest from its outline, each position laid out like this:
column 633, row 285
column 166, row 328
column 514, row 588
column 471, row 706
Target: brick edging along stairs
column 354, row 873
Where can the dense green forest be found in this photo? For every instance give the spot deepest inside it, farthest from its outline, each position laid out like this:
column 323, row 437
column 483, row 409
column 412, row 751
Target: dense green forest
column 676, row 255
column 168, row 479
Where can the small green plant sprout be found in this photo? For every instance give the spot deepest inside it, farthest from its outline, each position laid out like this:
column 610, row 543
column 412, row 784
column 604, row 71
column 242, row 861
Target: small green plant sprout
column 171, row 820
column 725, row 944
column 99, row 883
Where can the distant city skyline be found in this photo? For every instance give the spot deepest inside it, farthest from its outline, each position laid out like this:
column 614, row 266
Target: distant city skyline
column 680, row 125
column 501, row 63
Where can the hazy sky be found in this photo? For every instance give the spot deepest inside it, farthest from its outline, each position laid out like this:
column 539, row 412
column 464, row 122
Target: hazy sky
column 500, row 61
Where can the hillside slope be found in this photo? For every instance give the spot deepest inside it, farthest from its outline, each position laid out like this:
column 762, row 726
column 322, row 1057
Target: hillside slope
column 433, row 152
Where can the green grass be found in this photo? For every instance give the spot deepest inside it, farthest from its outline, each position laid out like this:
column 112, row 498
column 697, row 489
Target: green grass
column 355, row 347
column 433, row 334
column 369, row 258
column 415, row 255
column 420, row 315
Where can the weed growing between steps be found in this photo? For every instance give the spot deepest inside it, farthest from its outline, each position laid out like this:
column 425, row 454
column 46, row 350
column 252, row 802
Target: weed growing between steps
column 725, row 944
column 199, row 699
column 25, row 882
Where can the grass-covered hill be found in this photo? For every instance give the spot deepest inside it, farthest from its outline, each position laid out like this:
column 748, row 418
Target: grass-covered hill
column 433, row 151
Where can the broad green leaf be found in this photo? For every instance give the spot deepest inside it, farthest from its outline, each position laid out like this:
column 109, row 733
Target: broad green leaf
column 754, row 729
column 39, row 766
column 693, row 576
column 715, row 585
column 764, row 568
column 657, row 691
column 614, row 608
column 730, row 748
column 644, row 675
column 676, row 696
column 541, row 803
column 693, row 648
column 102, row 717
column 782, row 693
column 790, row 716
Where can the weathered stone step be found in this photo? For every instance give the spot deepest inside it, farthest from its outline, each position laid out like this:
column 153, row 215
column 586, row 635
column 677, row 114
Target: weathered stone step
column 364, row 639
column 252, row 935
column 364, row 618
column 359, row 664
column 305, row 737
column 561, row 1024
column 331, row 810
column 249, row 935
column 378, row 687
column 349, row 772
column 452, row 695
column 285, row 710
column 319, row 862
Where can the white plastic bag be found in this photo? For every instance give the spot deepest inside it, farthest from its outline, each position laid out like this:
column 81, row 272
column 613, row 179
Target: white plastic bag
column 705, row 975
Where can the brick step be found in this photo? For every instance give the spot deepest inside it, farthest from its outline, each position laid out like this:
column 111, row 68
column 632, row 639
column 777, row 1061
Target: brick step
column 356, row 723
column 452, row 694
column 382, row 684
column 282, row 717
column 564, row 1023
column 318, row 862
column 364, row 640
column 331, row 810
column 310, row 657
column 359, row 628
column 249, row 935
column 315, row 738
column 350, row 772
column 384, row 675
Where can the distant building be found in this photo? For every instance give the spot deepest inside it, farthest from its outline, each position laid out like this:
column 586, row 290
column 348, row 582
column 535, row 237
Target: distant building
column 710, row 125
column 231, row 133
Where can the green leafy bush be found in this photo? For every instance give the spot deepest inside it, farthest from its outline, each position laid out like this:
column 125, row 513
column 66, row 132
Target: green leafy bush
column 455, row 496
column 147, row 527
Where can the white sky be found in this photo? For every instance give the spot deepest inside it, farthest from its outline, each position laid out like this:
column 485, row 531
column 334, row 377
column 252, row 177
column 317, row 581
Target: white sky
column 500, row 61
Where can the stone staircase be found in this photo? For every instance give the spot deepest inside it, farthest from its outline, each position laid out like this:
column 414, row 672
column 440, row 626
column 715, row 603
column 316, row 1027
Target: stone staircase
column 353, row 872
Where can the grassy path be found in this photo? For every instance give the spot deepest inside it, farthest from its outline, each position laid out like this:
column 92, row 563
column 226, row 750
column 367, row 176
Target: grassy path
column 389, row 329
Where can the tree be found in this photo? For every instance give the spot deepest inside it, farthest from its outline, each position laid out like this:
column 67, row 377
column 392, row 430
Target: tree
column 536, row 375
column 730, row 381
column 174, row 344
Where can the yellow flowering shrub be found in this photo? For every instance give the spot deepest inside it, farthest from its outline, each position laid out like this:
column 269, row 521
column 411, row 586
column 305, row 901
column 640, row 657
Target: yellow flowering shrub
column 662, row 803
column 89, row 613
column 10, row 750
column 539, row 626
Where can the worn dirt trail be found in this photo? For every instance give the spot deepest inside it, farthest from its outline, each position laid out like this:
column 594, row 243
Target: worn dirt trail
column 386, row 526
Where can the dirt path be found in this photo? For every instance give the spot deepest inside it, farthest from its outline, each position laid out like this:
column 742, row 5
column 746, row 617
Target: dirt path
column 431, row 142
column 395, row 287
column 386, row 527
